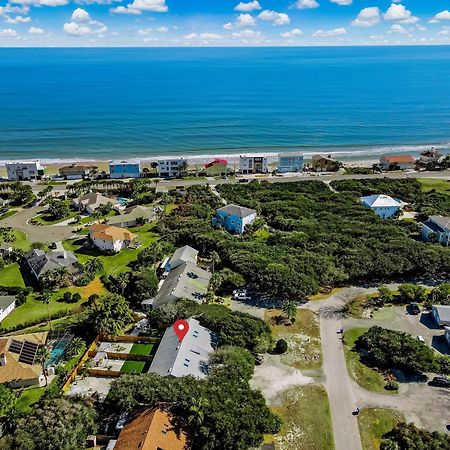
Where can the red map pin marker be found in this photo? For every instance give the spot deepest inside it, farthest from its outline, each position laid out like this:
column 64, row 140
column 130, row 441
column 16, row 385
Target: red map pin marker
column 181, row 327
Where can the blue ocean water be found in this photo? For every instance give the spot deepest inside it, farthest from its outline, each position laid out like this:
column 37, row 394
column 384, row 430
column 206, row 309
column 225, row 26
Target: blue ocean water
column 106, row 103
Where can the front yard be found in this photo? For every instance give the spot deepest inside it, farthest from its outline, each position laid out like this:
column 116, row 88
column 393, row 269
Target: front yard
column 306, row 420
column 10, row 275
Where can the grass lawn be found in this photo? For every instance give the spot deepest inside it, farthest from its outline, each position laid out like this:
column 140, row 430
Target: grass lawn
column 20, row 241
column 306, row 420
column 29, row 396
column 373, row 423
column 33, row 309
column 366, row 377
column 116, row 263
column 45, row 219
column 7, row 214
column 133, row 366
column 303, row 338
column 429, row 184
column 141, row 349
column 10, row 275
column 323, row 295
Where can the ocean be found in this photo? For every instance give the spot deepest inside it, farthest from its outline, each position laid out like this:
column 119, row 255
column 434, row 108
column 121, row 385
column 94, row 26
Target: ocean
column 100, row 104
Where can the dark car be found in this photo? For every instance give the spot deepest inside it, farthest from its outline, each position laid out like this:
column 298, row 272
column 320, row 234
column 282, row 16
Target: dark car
column 440, row 382
column 413, row 308
column 244, row 180
column 53, row 246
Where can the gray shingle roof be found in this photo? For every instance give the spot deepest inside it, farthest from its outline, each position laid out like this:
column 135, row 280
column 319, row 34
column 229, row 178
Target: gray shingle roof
column 443, row 311
column 185, row 281
column 41, row 262
column 131, row 214
column 441, row 221
column 183, row 254
column 6, row 301
column 190, row 357
column 235, row 210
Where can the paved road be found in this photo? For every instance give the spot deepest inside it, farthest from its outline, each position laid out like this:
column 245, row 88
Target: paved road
column 44, row 233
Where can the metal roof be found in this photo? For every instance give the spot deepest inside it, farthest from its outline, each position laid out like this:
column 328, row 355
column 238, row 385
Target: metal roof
column 441, row 221
column 443, row 311
column 190, row 357
column 379, row 200
column 183, row 254
column 235, row 210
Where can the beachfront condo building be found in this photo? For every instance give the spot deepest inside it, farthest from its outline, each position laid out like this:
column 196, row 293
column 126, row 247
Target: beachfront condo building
column 126, row 168
column 256, row 163
column 168, row 168
column 24, row 171
column 290, row 162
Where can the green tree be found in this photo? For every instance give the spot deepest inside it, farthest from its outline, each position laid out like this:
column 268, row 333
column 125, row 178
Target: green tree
column 94, row 265
column 55, row 425
column 42, row 355
column 58, row 209
column 75, row 347
column 290, row 309
column 110, row 315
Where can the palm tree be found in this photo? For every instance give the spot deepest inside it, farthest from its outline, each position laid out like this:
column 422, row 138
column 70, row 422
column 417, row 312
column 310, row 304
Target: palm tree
column 215, row 259
column 75, row 347
column 197, row 411
column 42, row 355
column 93, row 265
column 46, row 296
column 290, row 309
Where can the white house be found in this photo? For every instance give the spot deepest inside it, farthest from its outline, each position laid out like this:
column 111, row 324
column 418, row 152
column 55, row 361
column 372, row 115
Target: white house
column 437, row 228
column 180, row 256
column 7, row 304
column 168, row 168
column 402, row 162
column 24, row 171
column 255, row 163
column 92, row 200
column 109, row 238
column 382, row 205
column 441, row 314
column 131, row 216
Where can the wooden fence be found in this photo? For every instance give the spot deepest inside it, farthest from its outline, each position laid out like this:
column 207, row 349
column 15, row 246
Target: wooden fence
column 130, row 339
column 124, row 356
column 105, row 373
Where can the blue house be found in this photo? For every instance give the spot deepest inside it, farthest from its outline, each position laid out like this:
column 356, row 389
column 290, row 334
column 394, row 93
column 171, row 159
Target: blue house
column 130, row 168
column 290, row 162
column 382, row 205
column 437, row 229
column 234, row 218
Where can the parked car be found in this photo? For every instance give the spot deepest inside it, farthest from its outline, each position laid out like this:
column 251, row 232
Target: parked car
column 241, row 294
column 440, row 382
column 414, row 308
column 244, row 180
column 259, row 359
column 420, row 339
column 52, row 246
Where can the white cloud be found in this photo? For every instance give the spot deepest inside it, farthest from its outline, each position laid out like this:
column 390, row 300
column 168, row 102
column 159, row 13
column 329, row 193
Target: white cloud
column 367, row 17
column 245, row 20
column 342, row 2
column 228, row 26
column 397, row 28
column 203, row 36
column 162, row 30
column 306, row 4
column 327, row 33
column 400, row 13
column 248, row 7
column 35, row 30
column 8, row 32
column 443, row 15
column 247, row 33
column 81, row 24
column 444, row 32
column 17, row 19
column 292, row 33
column 275, row 17
column 138, row 6
column 42, row 2
column 145, row 31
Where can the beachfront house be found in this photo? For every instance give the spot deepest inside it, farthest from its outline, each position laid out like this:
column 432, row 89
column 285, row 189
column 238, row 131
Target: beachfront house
column 255, row 163
column 109, row 238
column 321, row 163
column 126, row 168
column 91, row 201
column 382, row 205
column 218, row 167
column 441, row 314
column 436, row 229
column 24, row 171
column 174, row 167
column 77, row 171
column 189, row 357
column 431, row 156
column 133, row 216
column 7, row 305
column 397, row 162
column 234, row 218
column 185, row 281
column 290, row 162
column 151, row 429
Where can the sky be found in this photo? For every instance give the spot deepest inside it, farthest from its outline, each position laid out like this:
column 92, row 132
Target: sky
column 216, row 23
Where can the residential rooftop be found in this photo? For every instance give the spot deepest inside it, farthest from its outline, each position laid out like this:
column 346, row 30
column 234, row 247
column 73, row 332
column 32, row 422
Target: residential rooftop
column 110, row 233
column 235, row 210
column 379, row 201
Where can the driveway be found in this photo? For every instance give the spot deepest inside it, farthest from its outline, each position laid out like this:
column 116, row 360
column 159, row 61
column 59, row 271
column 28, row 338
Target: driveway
column 44, row 233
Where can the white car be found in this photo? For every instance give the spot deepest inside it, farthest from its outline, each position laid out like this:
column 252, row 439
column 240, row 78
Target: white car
column 421, row 339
